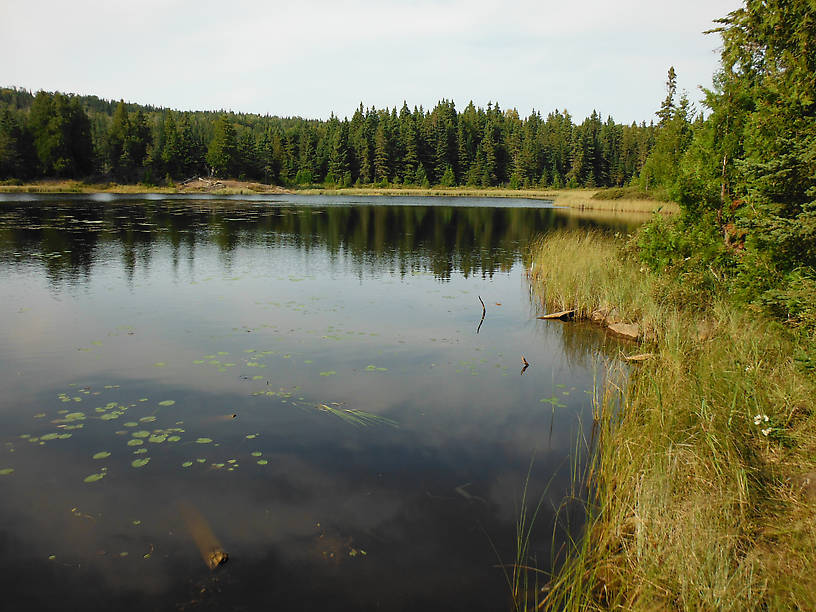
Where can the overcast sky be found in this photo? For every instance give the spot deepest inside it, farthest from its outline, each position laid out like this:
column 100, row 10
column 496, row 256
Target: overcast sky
column 314, row 57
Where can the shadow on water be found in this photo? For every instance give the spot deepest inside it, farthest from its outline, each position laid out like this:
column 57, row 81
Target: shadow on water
column 176, row 353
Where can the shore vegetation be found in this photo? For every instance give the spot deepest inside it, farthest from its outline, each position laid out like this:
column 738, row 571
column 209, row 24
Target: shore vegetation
column 703, row 480
column 700, row 494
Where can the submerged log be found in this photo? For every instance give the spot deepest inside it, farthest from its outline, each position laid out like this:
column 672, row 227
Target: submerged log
column 208, row 545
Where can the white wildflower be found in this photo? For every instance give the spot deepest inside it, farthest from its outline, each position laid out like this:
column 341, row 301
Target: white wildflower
column 765, row 432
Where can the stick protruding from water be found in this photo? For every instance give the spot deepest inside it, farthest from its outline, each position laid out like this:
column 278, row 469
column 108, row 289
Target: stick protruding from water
column 484, row 310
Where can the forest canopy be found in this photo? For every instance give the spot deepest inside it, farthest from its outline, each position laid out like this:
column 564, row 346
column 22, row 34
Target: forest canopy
column 58, row 135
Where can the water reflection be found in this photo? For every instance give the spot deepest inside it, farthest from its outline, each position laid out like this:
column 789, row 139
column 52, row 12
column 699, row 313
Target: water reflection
column 133, row 330
column 400, row 237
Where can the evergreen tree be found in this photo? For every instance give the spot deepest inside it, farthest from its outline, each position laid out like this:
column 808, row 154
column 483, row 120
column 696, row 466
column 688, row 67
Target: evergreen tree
column 222, row 153
column 339, row 167
column 381, row 167
column 17, row 158
column 117, row 135
column 62, row 135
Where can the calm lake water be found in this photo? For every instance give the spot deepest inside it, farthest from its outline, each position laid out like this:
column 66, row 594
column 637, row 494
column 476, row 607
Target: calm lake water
column 303, row 379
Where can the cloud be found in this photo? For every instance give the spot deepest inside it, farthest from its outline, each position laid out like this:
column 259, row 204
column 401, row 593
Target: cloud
column 315, row 57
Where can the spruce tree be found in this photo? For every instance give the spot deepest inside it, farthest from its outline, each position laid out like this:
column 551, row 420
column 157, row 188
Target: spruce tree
column 222, row 153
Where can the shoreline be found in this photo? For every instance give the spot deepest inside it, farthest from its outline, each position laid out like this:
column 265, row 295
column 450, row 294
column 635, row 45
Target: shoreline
column 578, row 199
column 700, row 479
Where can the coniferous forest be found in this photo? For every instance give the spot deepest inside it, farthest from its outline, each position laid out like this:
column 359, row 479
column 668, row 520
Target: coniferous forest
column 68, row 136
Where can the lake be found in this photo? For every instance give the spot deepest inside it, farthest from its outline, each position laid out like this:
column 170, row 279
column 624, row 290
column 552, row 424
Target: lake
column 306, row 383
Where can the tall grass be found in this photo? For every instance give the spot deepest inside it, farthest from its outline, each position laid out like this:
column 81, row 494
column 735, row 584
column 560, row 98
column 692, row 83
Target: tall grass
column 693, row 504
column 581, row 199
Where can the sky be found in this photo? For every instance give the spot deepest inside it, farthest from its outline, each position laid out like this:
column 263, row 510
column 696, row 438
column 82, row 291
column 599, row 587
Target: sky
column 312, row 58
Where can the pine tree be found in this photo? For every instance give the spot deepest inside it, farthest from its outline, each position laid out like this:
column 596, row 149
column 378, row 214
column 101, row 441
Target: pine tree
column 222, row 153
column 381, row 167
column 339, row 161
column 117, row 135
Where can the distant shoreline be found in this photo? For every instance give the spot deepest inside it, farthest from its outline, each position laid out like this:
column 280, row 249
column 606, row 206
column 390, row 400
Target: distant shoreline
column 581, row 199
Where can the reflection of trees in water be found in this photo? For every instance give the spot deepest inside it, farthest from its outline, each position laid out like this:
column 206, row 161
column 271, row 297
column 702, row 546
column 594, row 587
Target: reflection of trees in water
column 442, row 239
column 34, row 232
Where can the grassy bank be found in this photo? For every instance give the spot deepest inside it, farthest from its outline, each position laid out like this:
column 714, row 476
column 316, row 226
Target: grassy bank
column 197, row 186
column 582, row 199
column 697, row 497
column 579, row 199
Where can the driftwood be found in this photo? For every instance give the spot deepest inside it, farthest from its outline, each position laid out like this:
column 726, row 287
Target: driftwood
column 484, row 310
column 564, row 315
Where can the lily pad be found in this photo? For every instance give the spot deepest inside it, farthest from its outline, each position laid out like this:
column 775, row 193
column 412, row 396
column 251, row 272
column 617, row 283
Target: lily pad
column 135, row 442
column 173, row 438
column 257, row 454
column 6, row 471
column 204, row 440
column 328, row 373
column 262, row 462
column 157, row 439
column 137, row 463
column 167, row 403
column 102, row 455
column 160, row 364
column 140, row 434
column 147, row 419
column 94, row 477
column 187, row 464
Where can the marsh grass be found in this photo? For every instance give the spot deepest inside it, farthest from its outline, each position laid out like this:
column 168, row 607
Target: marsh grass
column 72, row 186
column 691, row 502
column 578, row 199
column 571, row 198
column 225, row 187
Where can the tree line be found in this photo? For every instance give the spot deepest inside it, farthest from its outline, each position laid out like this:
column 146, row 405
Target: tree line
column 62, row 135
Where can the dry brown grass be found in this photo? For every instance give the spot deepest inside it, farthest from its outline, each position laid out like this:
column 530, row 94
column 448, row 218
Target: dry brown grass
column 572, row 198
column 577, row 199
column 203, row 186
